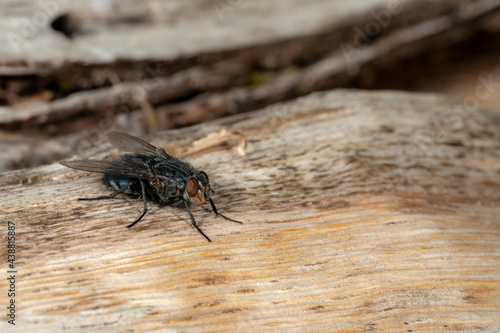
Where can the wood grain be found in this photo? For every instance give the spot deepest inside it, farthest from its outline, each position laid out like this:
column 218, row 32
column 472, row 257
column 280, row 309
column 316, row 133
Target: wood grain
column 363, row 212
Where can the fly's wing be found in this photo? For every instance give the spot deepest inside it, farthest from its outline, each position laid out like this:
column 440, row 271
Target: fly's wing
column 123, row 168
column 133, row 144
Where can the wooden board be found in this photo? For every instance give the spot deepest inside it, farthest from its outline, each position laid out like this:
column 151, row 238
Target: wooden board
column 363, row 212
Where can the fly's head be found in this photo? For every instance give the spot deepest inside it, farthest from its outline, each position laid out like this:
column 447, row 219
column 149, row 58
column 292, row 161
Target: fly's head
column 198, row 189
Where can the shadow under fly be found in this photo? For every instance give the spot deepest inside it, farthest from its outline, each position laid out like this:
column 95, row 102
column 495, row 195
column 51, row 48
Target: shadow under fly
column 152, row 174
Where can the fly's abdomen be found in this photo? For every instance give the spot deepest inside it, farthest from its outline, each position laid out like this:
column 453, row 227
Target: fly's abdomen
column 123, row 184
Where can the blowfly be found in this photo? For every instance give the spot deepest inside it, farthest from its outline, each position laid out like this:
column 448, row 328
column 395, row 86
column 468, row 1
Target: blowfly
column 152, row 174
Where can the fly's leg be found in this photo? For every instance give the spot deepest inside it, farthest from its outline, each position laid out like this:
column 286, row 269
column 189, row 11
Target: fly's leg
column 219, row 214
column 111, row 196
column 143, row 189
column 194, row 223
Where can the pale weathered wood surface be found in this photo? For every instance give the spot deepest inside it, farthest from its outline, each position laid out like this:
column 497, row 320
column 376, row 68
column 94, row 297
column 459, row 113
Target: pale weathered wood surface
column 113, row 30
column 364, row 212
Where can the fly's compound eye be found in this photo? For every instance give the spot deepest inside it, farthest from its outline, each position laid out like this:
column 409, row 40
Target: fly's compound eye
column 192, row 187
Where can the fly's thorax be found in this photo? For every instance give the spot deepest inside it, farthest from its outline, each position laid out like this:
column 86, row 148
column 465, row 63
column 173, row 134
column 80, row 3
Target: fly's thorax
column 165, row 190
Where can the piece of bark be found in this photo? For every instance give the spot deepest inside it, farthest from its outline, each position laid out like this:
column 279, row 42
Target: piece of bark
column 362, row 212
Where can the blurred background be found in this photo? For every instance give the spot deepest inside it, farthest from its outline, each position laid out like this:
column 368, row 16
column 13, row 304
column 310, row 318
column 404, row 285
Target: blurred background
column 72, row 71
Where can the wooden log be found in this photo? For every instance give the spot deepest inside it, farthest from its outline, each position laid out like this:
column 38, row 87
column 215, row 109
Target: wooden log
column 363, row 212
